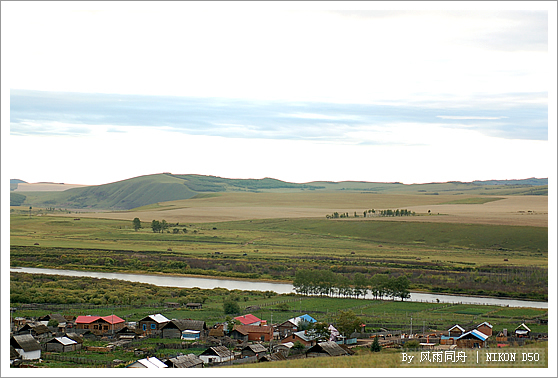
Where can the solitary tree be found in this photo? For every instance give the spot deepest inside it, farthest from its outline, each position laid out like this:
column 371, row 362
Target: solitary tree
column 156, row 226
column 347, row 322
column 137, row 223
column 375, row 347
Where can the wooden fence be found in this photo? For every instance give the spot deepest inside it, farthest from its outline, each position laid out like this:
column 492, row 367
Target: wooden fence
column 80, row 360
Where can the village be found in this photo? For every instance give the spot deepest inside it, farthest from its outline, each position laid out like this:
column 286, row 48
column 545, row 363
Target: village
column 244, row 339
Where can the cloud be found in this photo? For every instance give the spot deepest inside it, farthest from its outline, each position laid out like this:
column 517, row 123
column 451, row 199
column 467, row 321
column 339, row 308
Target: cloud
column 58, row 113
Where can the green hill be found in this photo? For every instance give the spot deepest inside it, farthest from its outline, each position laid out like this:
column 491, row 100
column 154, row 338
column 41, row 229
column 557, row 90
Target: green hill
column 151, row 189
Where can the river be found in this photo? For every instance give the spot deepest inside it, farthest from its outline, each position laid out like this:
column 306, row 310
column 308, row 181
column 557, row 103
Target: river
column 280, row 288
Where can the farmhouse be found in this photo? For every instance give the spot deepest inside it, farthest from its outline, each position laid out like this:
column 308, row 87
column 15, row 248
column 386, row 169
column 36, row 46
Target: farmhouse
column 61, row 344
column 152, row 323
column 328, row 348
column 249, row 319
column 239, row 334
column 185, row 361
column 27, row 347
column 149, row 362
column 255, row 332
column 185, row 329
column 472, row 339
column 216, row 354
column 301, row 336
column 99, row 323
column 292, row 325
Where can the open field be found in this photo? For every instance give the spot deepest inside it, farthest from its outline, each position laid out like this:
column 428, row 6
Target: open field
column 506, row 210
column 45, row 187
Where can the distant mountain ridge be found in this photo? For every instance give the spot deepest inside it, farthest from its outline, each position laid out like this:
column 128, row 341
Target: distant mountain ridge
column 530, row 181
column 151, row 189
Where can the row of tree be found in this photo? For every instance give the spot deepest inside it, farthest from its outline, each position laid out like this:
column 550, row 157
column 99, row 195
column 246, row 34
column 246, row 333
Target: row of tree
column 328, row 283
column 373, row 212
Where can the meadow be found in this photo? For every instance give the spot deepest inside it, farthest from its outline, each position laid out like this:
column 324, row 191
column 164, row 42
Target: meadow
column 270, row 235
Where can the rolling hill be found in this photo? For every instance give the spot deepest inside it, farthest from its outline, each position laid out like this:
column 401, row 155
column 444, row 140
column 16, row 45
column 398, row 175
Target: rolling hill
column 151, row 189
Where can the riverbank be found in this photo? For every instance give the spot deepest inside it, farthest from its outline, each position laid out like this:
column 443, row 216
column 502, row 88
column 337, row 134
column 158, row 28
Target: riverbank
column 183, row 281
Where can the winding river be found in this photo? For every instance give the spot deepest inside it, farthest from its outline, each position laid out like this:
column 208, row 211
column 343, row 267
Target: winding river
column 280, row 288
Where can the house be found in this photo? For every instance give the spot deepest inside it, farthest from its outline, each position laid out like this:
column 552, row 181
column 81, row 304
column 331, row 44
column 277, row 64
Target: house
column 185, row 361
column 293, row 325
column 301, row 336
column 216, row 354
column 152, row 323
column 255, row 332
column 55, row 317
column 38, row 330
column 253, row 350
column 286, row 328
column 485, row 328
column 61, row 344
column 185, row 329
column 128, row 333
column 149, row 362
column 472, row 339
column 249, row 319
column 522, row 330
column 27, row 346
column 456, row 331
column 194, row 306
column 239, row 334
column 327, row 348
column 103, row 324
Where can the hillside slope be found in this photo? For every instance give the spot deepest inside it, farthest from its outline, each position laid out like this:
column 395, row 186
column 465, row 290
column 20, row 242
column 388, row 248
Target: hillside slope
column 151, row 189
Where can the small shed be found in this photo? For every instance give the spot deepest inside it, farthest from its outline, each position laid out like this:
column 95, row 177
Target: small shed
column 216, row 354
column 522, row 331
column 194, row 306
column 185, row 361
column 184, row 328
column 148, row 362
column 239, row 334
column 27, row 346
column 456, row 331
column 485, row 328
column 61, row 344
column 253, row 350
column 277, row 356
column 76, row 337
column 217, row 332
column 326, row 348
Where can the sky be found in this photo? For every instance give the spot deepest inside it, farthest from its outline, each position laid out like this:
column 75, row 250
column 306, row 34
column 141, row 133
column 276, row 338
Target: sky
column 368, row 91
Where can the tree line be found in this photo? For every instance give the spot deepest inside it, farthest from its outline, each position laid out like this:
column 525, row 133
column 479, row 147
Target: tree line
column 326, row 282
column 373, row 212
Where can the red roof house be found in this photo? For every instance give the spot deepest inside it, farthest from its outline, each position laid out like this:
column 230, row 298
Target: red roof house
column 249, row 319
column 101, row 323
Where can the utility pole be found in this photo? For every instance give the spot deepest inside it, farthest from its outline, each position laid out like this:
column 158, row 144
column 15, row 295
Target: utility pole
column 411, row 326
